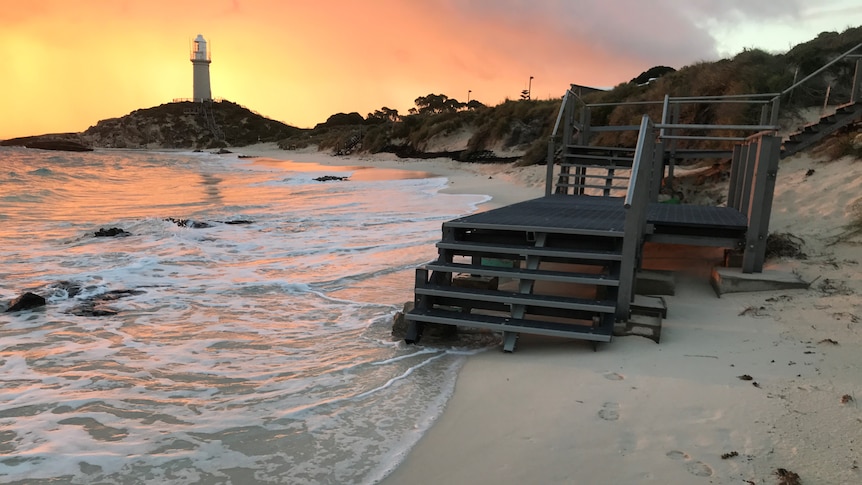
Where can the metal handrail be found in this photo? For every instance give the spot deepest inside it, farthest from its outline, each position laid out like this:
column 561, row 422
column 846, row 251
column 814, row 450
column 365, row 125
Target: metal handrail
column 825, row 66
column 569, row 92
column 636, row 163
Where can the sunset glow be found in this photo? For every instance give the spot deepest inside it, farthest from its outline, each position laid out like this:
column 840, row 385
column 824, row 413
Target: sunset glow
column 66, row 65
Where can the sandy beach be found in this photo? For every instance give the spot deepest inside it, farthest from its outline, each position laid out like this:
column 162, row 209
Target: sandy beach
column 746, row 388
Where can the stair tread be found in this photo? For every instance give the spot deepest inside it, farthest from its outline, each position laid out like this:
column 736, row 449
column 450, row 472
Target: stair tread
column 593, row 186
column 543, row 275
column 574, row 253
column 509, row 297
column 602, row 332
column 591, row 175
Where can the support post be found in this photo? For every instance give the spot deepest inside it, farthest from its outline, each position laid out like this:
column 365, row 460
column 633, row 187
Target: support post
column 760, row 205
column 735, row 168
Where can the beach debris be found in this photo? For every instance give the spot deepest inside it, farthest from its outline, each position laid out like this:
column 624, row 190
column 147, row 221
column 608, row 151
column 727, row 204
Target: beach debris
column 188, row 223
column 731, row 454
column 27, row 301
column 847, row 398
column 787, row 477
column 830, row 287
column 237, row 222
column 809, row 173
column 756, row 384
column 828, row 341
column 330, row 178
column 784, row 245
column 745, row 377
column 111, row 232
column 754, row 311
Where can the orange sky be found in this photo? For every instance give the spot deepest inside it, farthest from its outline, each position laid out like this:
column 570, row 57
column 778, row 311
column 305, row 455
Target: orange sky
column 64, row 65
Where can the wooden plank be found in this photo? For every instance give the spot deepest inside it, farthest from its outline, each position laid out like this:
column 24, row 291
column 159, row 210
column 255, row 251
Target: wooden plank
column 513, row 250
column 601, row 333
column 521, row 273
column 512, row 298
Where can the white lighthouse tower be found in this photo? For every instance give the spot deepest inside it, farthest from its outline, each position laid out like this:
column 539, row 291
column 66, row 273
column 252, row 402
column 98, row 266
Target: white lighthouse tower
column 200, row 58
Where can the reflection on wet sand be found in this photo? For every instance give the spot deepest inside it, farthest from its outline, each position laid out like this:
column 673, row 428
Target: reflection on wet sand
column 368, row 174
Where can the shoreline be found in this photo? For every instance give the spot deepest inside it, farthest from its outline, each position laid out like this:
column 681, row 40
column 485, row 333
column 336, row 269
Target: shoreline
column 504, row 183
column 682, row 411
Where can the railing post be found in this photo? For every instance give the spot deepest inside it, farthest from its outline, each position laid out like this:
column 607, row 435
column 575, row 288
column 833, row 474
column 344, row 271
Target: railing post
column 635, row 219
column 657, row 174
column 857, row 83
column 760, row 203
column 749, row 159
column 776, row 106
column 736, row 164
column 549, row 176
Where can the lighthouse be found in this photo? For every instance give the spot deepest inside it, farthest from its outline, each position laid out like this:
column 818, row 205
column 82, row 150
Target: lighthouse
column 200, row 58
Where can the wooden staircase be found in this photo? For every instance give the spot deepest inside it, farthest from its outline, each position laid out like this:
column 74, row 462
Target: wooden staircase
column 813, row 133
column 562, row 265
column 556, row 284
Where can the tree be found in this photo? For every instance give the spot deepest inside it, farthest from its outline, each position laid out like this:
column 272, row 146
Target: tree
column 437, row 103
column 382, row 115
column 341, row 119
column 652, row 73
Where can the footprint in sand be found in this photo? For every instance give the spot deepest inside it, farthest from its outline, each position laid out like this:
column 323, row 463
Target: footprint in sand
column 610, row 411
column 613, row 376
column 696, row 468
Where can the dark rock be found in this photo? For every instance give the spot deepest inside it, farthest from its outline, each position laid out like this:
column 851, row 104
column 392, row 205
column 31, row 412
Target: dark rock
column 92, row 309
column 61, row 142
column 71, row 289
column 117, row 294
column 111, row 232
column 96, row 307
column 189, row 223
column 27, row 301
column 223, row 151
column 328, row 178
column 238, row 221
column 431, row 332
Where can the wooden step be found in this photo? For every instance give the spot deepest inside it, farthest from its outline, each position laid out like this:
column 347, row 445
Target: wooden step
column 626, row 161
column 599, row 149
column 599, row 333
column 604, row 176
column 575, row 255
column 593, row 186
column 512, row 298
column 521, row 273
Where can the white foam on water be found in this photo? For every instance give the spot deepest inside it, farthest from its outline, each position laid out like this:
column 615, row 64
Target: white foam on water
column 235, row 353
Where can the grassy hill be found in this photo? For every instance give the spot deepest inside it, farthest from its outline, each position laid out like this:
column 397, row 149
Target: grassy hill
column 524, row 126
column 185, row 125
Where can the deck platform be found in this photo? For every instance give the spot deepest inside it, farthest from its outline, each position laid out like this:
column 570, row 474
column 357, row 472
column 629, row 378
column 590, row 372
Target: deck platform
column 585, row 215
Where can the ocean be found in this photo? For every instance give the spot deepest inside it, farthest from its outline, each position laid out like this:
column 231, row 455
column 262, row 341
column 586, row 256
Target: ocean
column 238, row 334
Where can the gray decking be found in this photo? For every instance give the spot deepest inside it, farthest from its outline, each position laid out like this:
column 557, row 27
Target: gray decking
column 573, row 214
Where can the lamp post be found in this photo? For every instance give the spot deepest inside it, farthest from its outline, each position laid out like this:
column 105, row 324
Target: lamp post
column 530, row 89
column 468, row 95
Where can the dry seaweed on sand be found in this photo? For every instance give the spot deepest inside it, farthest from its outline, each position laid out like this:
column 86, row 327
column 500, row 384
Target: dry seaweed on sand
column 787, row 477
column 784, row 245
